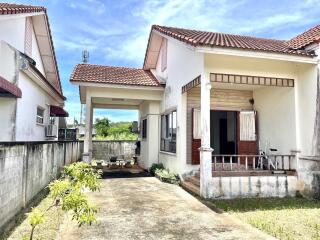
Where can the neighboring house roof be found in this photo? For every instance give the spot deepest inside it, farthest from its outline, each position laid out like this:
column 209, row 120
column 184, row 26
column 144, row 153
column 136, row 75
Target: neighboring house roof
column 113, row 75
column 212, row 39
column 11, row 8
column 308, row 37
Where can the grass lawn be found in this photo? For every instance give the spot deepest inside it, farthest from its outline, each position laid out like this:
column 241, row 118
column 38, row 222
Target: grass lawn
column 286, row 218
column 47, row 230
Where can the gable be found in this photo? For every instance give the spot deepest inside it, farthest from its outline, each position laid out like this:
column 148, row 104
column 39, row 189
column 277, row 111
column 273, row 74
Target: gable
column 153, row 50
column 46, row 49
column 34, row 30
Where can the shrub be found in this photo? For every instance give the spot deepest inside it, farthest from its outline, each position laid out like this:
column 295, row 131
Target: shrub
column 154, row 167
column 67, row 194
column 165, row 176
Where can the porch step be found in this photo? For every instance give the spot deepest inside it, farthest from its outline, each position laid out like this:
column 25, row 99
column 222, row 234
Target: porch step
column 192, row 184
column 194, row 180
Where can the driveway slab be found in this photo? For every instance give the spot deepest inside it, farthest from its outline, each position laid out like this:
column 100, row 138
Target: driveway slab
column 145, row 208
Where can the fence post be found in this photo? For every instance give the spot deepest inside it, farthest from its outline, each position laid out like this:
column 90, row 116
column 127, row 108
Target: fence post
column 64, row 153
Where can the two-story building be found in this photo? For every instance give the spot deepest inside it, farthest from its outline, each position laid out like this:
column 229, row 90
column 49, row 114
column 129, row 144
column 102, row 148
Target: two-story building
column 31, row 97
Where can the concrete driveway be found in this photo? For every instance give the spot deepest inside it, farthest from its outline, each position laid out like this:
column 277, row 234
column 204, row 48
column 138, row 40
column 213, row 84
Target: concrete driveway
column 145, row 208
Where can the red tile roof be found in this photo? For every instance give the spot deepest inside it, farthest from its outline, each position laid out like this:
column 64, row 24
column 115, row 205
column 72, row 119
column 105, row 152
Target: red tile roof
column 12, row 8
column 212, row 39
column 113, row 75
column 308, row 37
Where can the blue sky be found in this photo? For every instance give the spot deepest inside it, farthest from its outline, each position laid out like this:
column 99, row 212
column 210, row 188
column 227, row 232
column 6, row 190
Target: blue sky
column 116, row 31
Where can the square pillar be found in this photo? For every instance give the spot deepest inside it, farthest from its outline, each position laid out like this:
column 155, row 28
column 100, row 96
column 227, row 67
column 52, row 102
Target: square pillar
column 205, row 149
column 87, row 148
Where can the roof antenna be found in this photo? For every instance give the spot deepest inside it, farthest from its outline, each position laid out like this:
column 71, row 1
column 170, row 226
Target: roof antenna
column 85, row 56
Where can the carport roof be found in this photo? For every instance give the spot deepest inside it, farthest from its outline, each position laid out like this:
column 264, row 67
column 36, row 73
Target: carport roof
column 91, row 73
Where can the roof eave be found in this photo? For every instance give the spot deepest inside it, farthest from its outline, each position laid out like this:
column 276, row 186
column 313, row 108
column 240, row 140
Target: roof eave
column 160, row 87
column 258, row 54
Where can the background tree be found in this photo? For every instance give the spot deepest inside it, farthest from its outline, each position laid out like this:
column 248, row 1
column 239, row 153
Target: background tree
column 102, row 126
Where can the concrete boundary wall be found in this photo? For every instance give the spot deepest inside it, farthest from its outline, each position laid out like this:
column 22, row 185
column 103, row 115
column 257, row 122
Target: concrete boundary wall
column 26, row 168
column 102, row 149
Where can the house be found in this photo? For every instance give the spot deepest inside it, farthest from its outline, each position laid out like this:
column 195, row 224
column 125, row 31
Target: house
column 235, row 116
column 31, row 97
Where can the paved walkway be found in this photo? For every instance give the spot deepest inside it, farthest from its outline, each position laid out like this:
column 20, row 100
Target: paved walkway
column 145, row 208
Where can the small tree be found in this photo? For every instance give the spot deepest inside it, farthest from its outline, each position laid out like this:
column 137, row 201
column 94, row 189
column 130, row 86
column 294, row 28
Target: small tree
column 67, row 194
column 102, row 126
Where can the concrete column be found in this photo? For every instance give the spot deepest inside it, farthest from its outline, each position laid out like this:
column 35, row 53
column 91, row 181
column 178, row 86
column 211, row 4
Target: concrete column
column 205, row 150
column 87, row 148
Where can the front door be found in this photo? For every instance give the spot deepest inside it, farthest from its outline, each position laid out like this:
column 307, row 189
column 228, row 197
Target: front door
column 232, row 132
column 223, row 125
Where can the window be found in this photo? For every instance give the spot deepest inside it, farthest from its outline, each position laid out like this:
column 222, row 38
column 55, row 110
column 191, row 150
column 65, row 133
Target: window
column 52, row 120
column 247, row 126
column 196, row 114
column 40, row 115
column 169, row 132
column 144, row 128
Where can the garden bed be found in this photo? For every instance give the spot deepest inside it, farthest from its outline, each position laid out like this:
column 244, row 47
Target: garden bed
column 285, row 218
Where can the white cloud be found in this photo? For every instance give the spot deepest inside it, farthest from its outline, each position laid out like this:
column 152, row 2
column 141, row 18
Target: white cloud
column 89, row 6
column 210, row 16
column 116, row 32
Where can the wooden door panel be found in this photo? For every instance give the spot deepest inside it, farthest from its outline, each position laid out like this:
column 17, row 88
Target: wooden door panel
column 196, row 144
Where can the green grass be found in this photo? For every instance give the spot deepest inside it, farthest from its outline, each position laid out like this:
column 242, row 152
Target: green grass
column 47, row 230
column 285, row 218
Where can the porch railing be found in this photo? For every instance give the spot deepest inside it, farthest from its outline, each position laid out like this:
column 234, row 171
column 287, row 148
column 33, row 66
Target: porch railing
column 253, row 162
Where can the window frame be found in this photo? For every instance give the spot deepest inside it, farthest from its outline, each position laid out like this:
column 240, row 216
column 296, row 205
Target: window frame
column 168, row 135
column 144, row 128
column 40, row 116
column 247, row 134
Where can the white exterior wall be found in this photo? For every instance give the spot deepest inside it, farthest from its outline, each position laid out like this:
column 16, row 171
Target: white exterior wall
column 8, row 59
column 12, row 31
column 249, row 66
column 183, row 65
column 150, row 145
column 276, row 118
column 7, row 119
column 306, row 95
column 32, row 96
column 7, row 105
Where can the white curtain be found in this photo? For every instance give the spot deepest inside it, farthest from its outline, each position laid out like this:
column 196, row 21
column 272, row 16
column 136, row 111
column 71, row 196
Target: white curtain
column 196, row 124
column 247, row 126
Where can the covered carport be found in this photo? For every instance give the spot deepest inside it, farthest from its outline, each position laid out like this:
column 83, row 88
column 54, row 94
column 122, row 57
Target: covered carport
column 121, row 88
